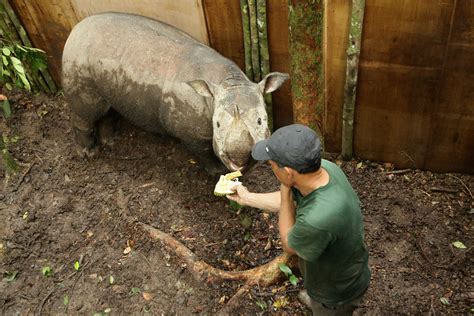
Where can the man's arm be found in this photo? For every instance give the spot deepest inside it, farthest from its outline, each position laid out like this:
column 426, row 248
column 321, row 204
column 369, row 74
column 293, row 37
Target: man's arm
column 264, row 201
column 286, row 217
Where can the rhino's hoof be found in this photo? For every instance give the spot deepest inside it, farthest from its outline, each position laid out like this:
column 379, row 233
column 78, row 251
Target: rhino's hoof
column 87, row 153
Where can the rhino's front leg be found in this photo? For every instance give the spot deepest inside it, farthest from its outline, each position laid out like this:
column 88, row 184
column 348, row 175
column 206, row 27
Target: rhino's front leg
column 206, row 157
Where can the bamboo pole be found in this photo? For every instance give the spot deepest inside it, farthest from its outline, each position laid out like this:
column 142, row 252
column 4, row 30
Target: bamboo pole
column 306, row 25
column 254, row 40
column 353, row 52
column 264, row 53
column 26, row 41
column 244, row 8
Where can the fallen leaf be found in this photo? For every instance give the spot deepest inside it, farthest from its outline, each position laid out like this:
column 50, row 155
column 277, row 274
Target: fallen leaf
column 281, row 302
column 148, row 296
column 192, row 161
column 222, row 299
column 444, row 301
column 359, row 165
column 459, row 245
column 127, row 250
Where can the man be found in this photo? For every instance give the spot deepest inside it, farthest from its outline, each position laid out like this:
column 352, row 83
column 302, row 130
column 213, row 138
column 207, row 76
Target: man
column 324, row 229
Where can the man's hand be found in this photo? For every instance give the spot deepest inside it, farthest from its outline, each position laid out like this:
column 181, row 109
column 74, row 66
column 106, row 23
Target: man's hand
column 240, row 196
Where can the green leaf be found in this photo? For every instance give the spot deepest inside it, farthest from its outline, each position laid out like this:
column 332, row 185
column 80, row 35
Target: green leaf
column 5, row 60
column 6, row 51
column 444, row 301
column 47, row 271
column 10, row 276
column 285, row 269
column 77, row 265
column 262, row 304
column 293, row 280
column 25, row 81
column 8, row 86
column 459, row 245
column 246, row 221
column 66, row 299
column 9, row 162
column 5, row 106
column 134, row 291
column 111, row 279
column 235, row 206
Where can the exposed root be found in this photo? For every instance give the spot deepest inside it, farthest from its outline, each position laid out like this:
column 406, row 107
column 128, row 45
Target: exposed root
column 264, row 275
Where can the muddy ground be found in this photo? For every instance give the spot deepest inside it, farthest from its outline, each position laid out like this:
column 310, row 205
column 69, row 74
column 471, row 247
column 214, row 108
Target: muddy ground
column 59, row 209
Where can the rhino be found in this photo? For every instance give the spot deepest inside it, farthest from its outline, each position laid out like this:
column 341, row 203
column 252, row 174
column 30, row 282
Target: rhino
column 164, row 81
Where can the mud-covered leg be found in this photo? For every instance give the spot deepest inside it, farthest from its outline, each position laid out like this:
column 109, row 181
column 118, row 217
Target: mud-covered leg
column 106, row 128
column 87, row 108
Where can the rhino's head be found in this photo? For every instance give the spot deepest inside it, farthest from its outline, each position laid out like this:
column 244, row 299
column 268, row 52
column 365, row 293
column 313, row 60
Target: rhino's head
column 239, row 117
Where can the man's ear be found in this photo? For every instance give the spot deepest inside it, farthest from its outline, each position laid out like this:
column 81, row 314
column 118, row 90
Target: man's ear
column 202, row 87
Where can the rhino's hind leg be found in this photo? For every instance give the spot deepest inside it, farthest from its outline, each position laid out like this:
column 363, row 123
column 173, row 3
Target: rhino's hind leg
column 106, row 128
column 87, row 110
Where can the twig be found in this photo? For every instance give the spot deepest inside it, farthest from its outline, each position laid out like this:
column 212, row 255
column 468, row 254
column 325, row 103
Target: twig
column 44, row 301
column 23, row 177
column 233, row 302
column 440, row 189
column 401, row 171
column 432, row 309
column 462, row 182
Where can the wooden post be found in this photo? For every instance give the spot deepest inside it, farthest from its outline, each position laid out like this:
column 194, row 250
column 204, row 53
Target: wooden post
column 264, row 53
column 353, row 52
column 306, row 25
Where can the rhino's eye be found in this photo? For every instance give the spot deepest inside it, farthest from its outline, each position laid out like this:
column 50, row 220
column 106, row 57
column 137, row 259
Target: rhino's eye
column 259, row 121
column 218, row 125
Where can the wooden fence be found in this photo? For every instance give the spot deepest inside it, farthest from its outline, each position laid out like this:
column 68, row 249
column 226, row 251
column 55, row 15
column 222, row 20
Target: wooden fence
column 415, row 93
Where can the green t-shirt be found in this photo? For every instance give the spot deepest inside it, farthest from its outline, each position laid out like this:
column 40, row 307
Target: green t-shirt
column 328, row 237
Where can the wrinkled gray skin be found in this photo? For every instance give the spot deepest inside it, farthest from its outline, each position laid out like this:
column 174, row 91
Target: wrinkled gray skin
column 164, row 81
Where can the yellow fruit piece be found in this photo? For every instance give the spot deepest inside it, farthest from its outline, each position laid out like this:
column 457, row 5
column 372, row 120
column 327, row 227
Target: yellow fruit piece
column 224, row 186
column 233, row 175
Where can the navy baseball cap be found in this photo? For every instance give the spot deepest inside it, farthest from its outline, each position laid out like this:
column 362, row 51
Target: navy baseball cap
column 295, row 146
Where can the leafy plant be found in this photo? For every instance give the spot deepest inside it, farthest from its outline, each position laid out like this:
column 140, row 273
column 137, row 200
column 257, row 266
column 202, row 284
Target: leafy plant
column 47, row 271
column 77, row 265
column 9, row 162
column 287, row 271
column 10, row 276
column 17, row 62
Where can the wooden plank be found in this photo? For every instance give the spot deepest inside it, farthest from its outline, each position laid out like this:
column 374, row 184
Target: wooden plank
column 451, row 146
column 401, row 68
column 337, row 30
column 392, row 118
column 48, row 24
column 277, row 17
column 225, row 37
column 187, row 15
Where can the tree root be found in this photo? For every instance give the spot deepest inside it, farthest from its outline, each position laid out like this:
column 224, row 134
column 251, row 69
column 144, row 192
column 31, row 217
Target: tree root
column 264, row 275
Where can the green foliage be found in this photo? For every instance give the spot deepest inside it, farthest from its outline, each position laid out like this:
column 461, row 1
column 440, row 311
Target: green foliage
column 287, row 271
column 47, row 271
column 6, row 108
column 10, row 276
column 17, row 62
column 9, row 162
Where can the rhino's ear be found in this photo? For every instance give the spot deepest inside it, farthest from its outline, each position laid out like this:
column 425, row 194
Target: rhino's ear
column 272, row 81
column 202, row 87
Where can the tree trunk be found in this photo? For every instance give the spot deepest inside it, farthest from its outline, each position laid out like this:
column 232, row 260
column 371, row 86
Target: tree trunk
column 306, row 23
column 353, row 52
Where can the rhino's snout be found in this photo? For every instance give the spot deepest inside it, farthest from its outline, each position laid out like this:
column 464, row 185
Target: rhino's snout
column 237, row 148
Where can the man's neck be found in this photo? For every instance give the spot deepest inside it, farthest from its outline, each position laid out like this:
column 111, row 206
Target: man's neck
column 307, row 183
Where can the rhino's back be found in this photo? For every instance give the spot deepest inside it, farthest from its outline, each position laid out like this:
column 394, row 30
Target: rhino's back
column 140, row 66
